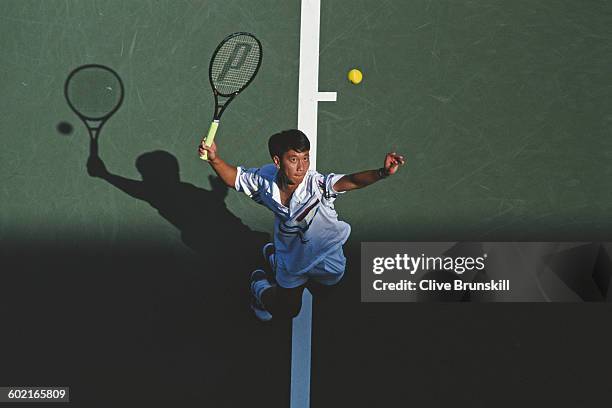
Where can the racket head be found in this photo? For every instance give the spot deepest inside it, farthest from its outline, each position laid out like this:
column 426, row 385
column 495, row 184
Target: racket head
column 234, row 63
column 94, row 92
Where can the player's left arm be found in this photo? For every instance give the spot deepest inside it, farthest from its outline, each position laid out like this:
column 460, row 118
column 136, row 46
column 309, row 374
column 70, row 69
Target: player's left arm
column 393, row 161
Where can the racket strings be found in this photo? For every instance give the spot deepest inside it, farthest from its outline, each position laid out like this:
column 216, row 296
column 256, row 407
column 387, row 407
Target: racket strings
column 234, row 79
column 235, row 64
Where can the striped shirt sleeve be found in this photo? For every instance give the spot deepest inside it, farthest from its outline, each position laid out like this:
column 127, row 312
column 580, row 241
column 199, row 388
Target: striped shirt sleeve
column 326, row 186
column 248, row 181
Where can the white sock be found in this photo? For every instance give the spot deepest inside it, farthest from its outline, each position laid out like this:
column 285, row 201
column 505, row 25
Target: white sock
column 258, row 288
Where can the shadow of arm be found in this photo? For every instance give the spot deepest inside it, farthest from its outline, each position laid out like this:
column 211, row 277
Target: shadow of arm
column 97, row 168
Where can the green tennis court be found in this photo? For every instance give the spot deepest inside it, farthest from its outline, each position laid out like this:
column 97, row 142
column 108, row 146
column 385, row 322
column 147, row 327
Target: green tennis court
column 136, row 293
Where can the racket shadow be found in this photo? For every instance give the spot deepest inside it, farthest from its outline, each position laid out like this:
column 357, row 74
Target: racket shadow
column 156, row 318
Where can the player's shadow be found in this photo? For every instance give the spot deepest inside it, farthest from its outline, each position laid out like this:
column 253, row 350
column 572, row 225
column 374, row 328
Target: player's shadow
column 158, row 323
column 205, row 223
column 201, row 320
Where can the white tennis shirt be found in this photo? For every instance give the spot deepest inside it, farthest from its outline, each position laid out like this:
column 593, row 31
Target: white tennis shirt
column 309, row 229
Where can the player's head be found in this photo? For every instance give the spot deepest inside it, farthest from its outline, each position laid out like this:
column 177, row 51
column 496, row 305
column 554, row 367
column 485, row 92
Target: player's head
column 290, row 150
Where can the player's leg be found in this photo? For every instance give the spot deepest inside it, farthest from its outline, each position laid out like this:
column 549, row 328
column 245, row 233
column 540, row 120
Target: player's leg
column 280, row 296
column 262, row 281
column 259, row 284
column 270, row 299
column 283, row 303
column 268, row 254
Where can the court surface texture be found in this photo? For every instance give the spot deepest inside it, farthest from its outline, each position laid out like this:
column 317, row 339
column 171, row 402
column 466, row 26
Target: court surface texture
column 502, row 110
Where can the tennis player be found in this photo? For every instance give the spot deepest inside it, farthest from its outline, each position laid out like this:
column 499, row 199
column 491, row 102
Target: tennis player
column 308, row 236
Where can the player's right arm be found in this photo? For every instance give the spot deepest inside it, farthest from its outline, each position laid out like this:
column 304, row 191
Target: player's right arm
column 225, row 171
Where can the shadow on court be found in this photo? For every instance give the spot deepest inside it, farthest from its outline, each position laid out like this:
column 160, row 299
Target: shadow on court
column 125, row 323
column 205, row 223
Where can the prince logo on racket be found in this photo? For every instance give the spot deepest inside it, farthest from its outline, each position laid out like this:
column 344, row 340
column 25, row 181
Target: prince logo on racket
column 308, row 236
column 236, row 59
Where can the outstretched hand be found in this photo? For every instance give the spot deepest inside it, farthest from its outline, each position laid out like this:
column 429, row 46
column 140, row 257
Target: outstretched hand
column 392, row 162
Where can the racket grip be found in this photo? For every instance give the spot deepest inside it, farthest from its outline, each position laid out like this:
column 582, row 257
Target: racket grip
column 208, row 140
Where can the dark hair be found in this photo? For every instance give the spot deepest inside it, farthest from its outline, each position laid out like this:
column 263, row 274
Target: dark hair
column 286, row 140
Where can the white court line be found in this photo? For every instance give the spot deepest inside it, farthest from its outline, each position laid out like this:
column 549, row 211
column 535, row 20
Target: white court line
column 308, row 99
column 326, row 96
column 308, row 89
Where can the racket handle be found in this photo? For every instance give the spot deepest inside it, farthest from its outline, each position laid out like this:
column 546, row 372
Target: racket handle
column 93, row 147
column 208, row 140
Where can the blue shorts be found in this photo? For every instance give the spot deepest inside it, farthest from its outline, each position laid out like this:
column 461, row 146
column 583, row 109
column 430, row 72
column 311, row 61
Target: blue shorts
column 327, row 272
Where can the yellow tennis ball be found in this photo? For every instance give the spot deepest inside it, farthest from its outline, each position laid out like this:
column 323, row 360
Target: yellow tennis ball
column 355, row 76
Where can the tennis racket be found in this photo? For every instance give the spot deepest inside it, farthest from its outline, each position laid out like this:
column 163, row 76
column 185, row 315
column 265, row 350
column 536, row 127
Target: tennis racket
column 94, row 92
column 233, row 66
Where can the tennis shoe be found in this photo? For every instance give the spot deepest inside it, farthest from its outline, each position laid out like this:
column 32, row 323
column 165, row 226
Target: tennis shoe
column 260, row 312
